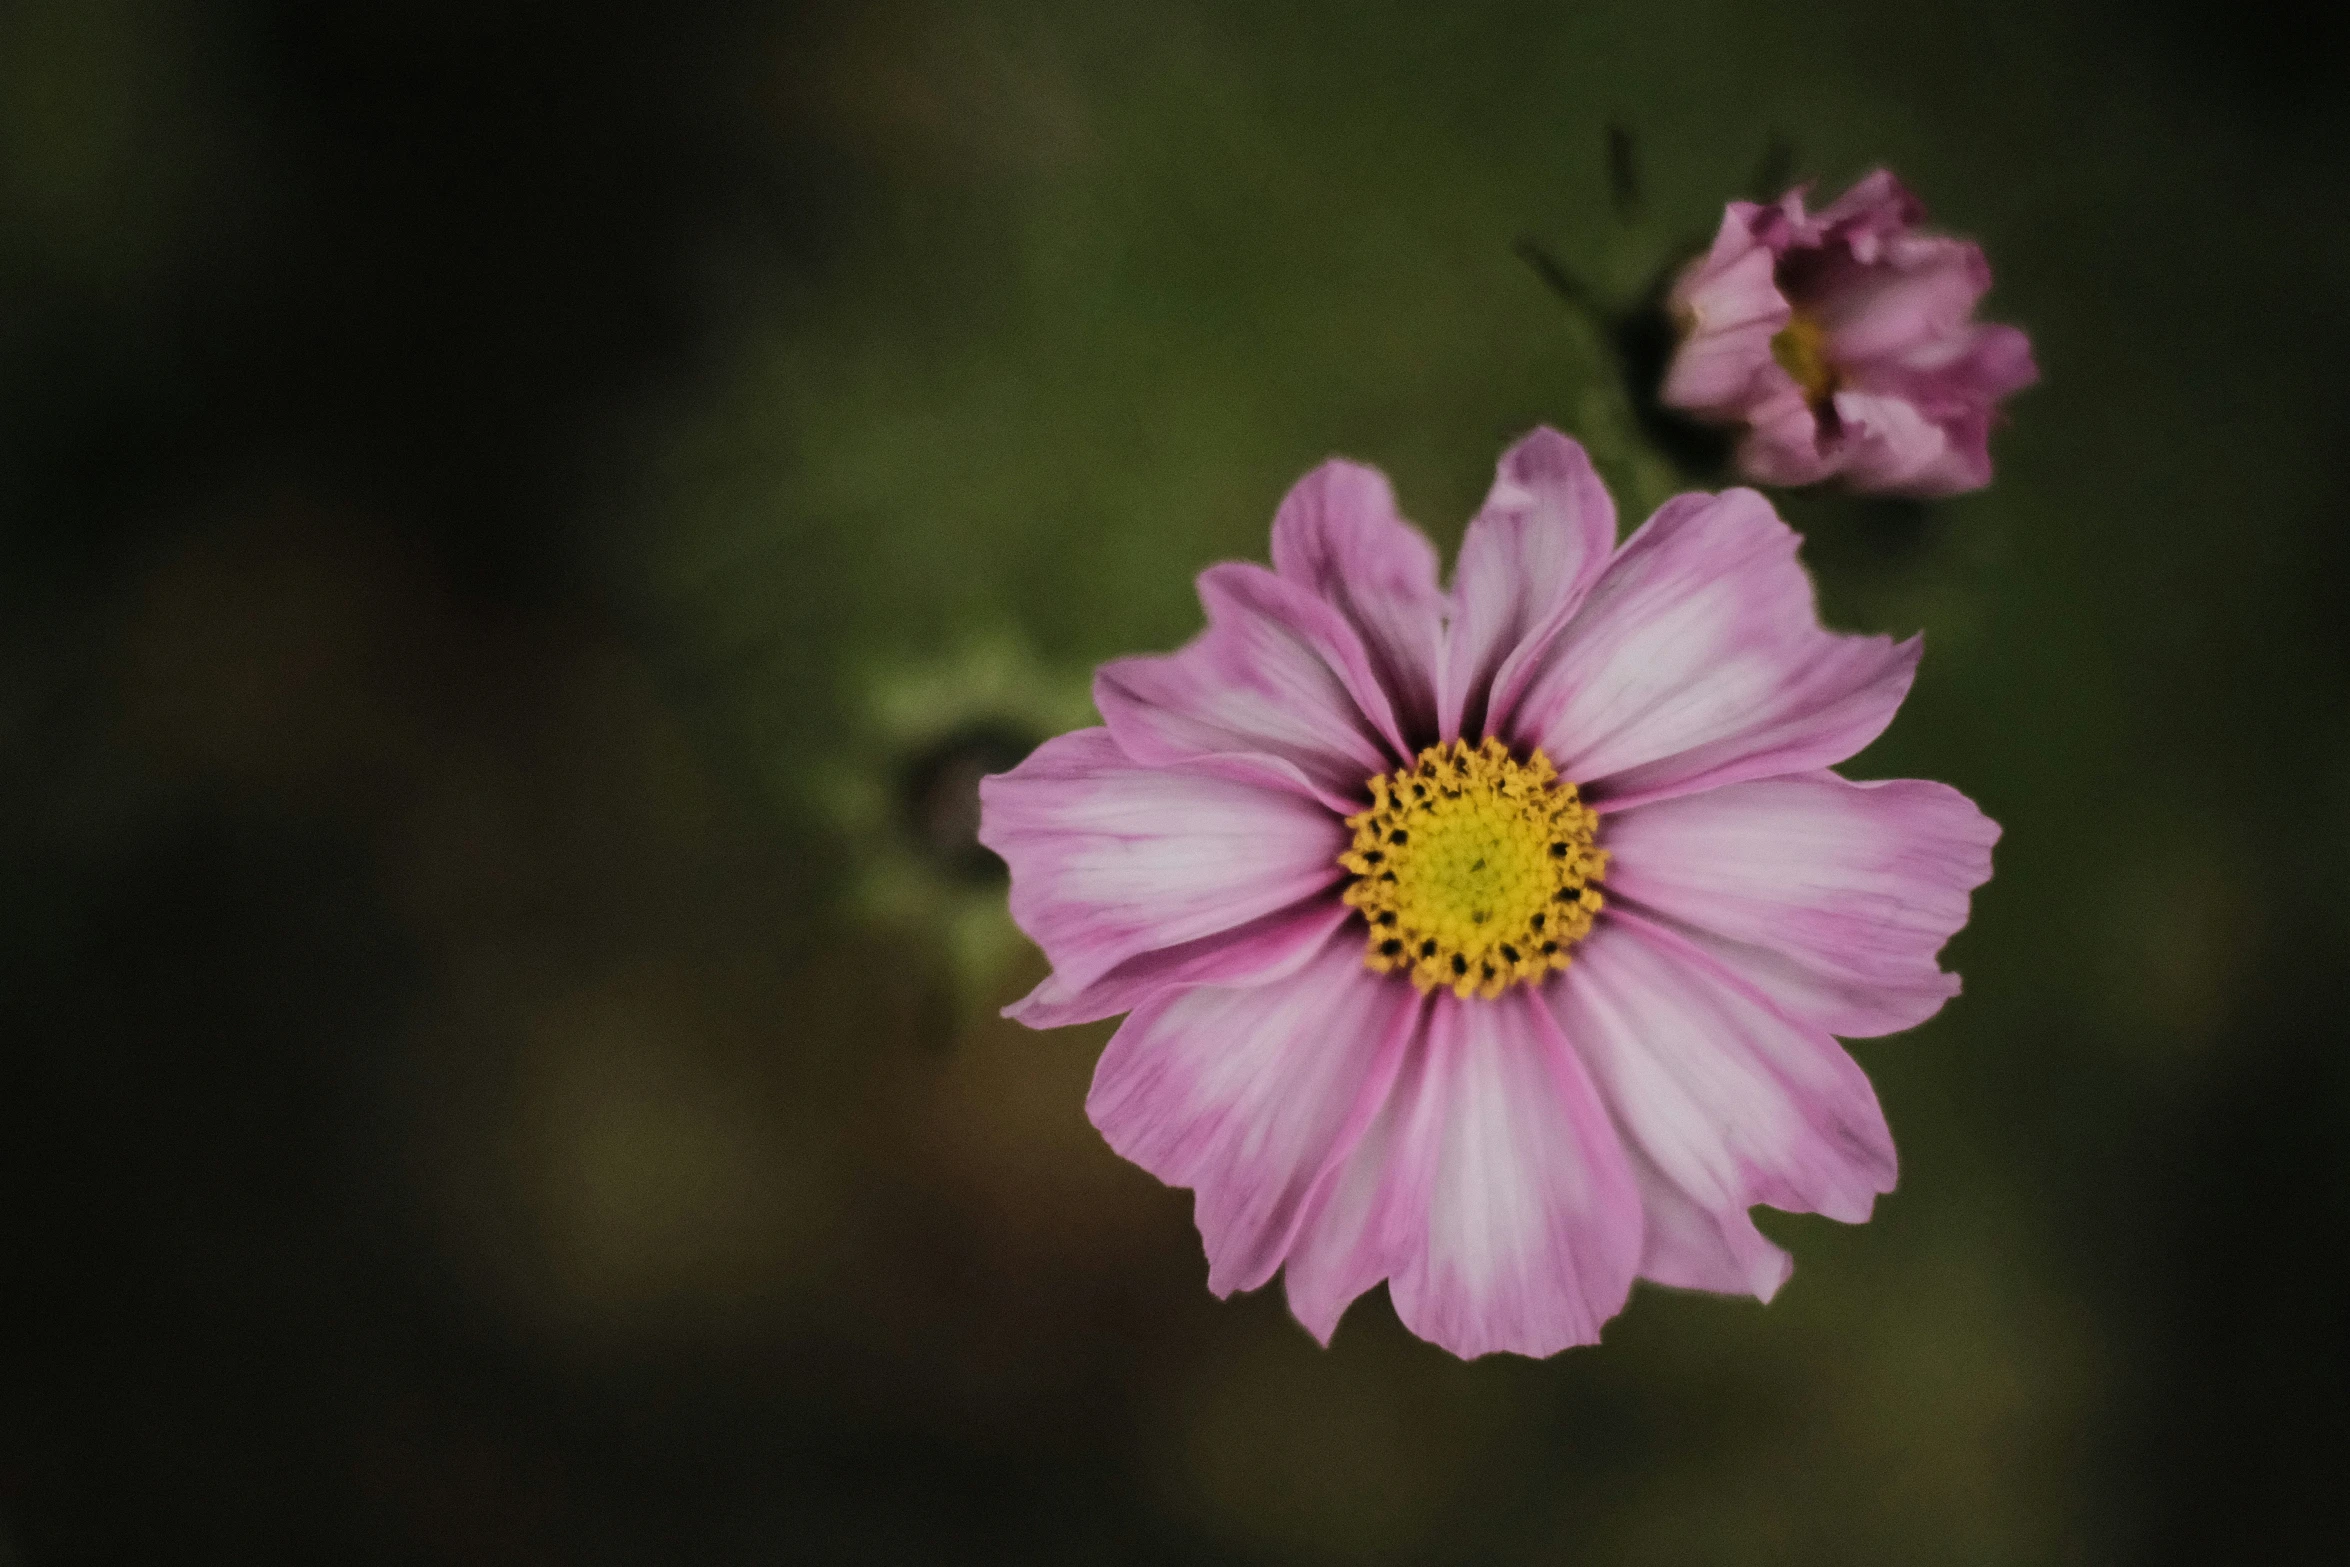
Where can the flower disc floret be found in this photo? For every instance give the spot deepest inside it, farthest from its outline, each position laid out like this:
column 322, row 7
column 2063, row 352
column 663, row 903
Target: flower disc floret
column 1475, row 870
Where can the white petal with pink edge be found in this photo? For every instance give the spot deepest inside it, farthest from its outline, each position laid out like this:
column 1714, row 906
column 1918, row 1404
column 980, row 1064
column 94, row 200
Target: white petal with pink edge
column 1111, row 859
column 1533, row 550
column 1269, row 948
column 1699, row 660
column 1731, row 1102
column 1277, row 671
column 1339, row 535
column 1492, row 1192
column 1831, row 897
column 1249, row 1096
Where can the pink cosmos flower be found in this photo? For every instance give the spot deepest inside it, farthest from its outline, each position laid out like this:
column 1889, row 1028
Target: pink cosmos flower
column 1492, row 940
column 1844, row 344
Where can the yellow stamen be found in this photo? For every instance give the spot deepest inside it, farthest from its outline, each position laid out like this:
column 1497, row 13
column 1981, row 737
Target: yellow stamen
column 1801, row 347
column 1474, row 869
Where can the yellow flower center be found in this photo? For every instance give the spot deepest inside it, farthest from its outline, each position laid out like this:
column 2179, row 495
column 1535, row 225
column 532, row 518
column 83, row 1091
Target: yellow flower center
column 1801, row 347
column 1474, row 869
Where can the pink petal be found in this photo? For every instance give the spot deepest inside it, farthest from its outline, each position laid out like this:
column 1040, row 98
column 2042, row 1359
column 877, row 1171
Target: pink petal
column 1921, row 425
column 1954, row 383
column 1110, row 859
column 1995, row 361
column 1886, row 445
column 1730, row 308
column 1265, row 949
column 1830, row 897
column 1727, row 1101
column 1247, row 1096
column 1339, row 535
column 1492, row 1190
column 1878, row 208
column 1277, row 672
column 1781, row 444
column 1531, row 553
column 1921, row 293
column 1782, row 224
column 1699, row 660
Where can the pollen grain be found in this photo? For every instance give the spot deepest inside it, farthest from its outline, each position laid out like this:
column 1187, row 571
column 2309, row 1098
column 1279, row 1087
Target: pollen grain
column 1801, row 348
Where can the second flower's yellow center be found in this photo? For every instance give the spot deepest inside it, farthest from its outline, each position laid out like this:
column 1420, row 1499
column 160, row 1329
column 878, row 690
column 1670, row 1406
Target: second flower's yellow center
column 1474, row 869
column 1801, row 348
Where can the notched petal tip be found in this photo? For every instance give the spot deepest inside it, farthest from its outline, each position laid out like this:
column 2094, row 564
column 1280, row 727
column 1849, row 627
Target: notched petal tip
column 1277, row 672
column 1529, row 557
column 1725, row 1101
column 1521, row 1220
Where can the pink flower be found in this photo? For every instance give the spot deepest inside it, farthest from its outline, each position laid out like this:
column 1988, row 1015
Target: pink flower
column 1844, row 344
column 1491, row 941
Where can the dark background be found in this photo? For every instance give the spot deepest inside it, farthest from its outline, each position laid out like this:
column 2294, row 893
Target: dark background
column 518, row 524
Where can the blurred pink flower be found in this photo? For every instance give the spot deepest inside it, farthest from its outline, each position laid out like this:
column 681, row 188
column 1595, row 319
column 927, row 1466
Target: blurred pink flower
column 1844, row 344
column 1408, row 1004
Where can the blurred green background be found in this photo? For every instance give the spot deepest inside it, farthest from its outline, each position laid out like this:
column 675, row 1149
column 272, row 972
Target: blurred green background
column 520, row 524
